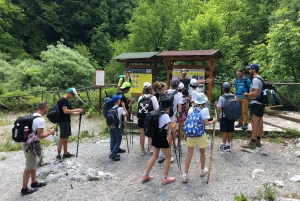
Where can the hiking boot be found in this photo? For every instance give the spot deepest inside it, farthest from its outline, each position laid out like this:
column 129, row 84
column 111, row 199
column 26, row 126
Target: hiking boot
column 27, row 191
column 161, row 159
column 238, row 125
column 184, row 179
column 203, row 172
column 38, row 184
column 245, row 127
column 258, row 143
column 68, row 155
column 168, row 180
column 121, row 150
column 147, row 178
column 222, row 147
column 143, row 153
column 115, row 158
column 111, row 156
column 250, row 145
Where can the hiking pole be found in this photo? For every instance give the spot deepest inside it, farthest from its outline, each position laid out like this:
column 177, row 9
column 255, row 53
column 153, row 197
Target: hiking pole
column 126, row 134
column 211, row 149
column 78, row 134
column 55, row 140
column 178, row 161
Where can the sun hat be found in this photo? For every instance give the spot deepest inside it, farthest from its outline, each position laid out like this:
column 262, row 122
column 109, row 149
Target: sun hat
column 116, row 97
column 201, row 98
column 125, row 85
column 72, row 90
column 147, row 85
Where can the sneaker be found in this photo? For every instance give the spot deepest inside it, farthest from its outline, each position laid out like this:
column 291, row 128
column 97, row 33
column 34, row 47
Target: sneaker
column 184, row 179
column 168, row 180
column 111, row 156
column 258, row 143
column 203, row 172
column 250, row 145
column 121, row 150
column 147, row 178
column 59, row 158
column 151, row 151
column 143, row 153
column 115, row 158
column 129, row 120
column 172, row 159
column 178, row 146
column 222, row 147
column 161, row 159
column 245, row 127
column 228, row 149
column 238, row 125
column 68, row 155
column 38, row 184
column 27, row 191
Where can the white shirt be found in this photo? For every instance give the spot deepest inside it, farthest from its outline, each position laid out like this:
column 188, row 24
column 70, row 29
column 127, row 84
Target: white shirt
column 193, row 94
column 163, row 119
column 38, row 122
column 204, row 113
column 121, row 112
column 177, row 101
column 153, row 99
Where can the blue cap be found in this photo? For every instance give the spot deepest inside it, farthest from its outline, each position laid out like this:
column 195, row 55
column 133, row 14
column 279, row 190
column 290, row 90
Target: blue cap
column 115, row 98
column 253, row 66
column 72, row 90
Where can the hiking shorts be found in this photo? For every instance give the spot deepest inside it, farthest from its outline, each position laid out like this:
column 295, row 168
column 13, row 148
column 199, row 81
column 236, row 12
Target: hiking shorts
column 201, row 141
column 257, row 109
column 226, row 125
column 64, row 129
column 141, row 122
column 31, row 160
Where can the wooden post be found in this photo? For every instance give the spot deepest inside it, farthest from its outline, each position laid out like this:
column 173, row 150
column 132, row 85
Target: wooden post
column 100, row 99
column 212, row 64
column 87, row 94
column 42, row 95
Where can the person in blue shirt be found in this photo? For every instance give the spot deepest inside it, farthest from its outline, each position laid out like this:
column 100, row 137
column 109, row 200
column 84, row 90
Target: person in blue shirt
column 242, row 85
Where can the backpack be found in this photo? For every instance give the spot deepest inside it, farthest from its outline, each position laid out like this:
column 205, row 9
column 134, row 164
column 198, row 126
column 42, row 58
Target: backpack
column 231, row 108
column 54, row 113
column 170, row 97
column 18, row 129
column 183, row 105
column 112, row 118
column 145, row 106
column 194, row 124
column 151, row 123
column 244, row 81
column 268, row 93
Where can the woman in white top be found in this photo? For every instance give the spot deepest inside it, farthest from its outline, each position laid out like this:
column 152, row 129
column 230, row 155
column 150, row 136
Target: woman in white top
column 143, row 110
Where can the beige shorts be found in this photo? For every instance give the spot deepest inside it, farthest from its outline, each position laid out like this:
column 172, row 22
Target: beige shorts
column 31, row 162
column 201, row 141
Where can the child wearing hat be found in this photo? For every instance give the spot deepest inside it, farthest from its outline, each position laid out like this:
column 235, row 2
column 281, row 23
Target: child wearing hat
column 117, row 133
column 160, row 142
column 144, row 109
column 199, row 105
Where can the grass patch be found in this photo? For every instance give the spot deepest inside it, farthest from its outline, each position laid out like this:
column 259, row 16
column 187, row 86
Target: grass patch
column 5, row 122
column 3, row 158
column 10, row 146
column 45, row 143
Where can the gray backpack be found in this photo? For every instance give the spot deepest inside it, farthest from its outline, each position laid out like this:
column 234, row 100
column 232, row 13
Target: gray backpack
column 231, row 108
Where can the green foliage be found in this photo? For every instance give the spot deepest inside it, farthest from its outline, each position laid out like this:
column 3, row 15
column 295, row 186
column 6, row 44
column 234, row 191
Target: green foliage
column 240, row 197
column 41, row 159
column 3, row 158
column 268, row 193
column 10, row 146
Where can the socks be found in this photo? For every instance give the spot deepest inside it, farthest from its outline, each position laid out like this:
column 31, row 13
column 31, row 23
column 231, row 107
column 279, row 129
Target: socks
column 146, row 174
column 228, row 144
column 185, row 174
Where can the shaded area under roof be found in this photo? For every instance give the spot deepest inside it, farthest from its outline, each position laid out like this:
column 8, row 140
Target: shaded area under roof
column 191, row 53
column 136, row 55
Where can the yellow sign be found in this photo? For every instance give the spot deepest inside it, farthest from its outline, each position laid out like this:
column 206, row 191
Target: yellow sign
column 138, row 77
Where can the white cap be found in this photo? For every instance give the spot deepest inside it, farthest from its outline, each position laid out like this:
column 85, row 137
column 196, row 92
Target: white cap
column 193, row 82
column 181, row 86
column 147, row 85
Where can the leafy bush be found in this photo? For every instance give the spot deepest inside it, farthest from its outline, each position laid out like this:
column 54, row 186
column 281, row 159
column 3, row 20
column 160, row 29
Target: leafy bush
column 293, row 97
column 268, row 193
column 240, row 197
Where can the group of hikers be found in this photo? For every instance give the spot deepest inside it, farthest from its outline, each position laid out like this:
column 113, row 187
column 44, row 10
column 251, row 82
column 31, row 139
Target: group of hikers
column 182, row 107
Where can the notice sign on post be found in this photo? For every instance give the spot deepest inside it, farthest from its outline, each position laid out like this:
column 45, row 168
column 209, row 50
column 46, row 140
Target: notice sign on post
column 100, row 78
column 138, row 77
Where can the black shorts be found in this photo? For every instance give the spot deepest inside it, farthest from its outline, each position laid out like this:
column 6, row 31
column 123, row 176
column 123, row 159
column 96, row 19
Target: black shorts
column 160, row 140
column 257, row 109
column 226, row 125
column 65, row 129
column 141, row 122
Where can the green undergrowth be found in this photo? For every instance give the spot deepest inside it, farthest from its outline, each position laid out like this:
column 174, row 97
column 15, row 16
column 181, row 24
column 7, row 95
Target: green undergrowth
column 3, row 158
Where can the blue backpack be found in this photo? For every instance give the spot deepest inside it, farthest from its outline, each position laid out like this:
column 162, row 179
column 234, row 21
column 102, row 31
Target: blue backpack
column 194, row 124
column 112, row 118
column 108, row 104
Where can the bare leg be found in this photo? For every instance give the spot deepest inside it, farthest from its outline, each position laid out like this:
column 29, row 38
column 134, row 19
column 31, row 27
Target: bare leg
column 188, row 159
column 180, row 132
column 224, row 137
column 167, row 163
column 152, row 159
column 260, row 127
column 142, row 139
column 65, row 145
column 60, row 144
column 26, row 176
column 202, row 157
column 229, row 137
column 33, row 176
column 255, row 126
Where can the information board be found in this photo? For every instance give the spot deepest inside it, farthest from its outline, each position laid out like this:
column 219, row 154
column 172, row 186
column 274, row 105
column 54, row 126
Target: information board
column 100, row 78
column 138, row 77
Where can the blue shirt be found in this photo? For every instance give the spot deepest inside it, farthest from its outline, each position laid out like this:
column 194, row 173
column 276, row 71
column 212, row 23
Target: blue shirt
column 240, row 85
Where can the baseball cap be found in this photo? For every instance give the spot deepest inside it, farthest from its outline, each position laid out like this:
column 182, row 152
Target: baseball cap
column 147, row 85
column 115, row 98
column 174, row 82
column 72, row 90
column 127, row 70
column 125, row 85
column 226, row 85
column 253, row 66
column 201, row 98
column 184, row 71
column 181, row 86
column 193, row 83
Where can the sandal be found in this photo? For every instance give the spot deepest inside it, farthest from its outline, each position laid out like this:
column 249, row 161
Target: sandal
column 68, row 155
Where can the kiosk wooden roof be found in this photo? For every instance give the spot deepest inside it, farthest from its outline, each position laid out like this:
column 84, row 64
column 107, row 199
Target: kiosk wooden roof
column 170, row 57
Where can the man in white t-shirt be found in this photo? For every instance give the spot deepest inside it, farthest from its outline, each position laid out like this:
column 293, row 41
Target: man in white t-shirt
column 38, row 126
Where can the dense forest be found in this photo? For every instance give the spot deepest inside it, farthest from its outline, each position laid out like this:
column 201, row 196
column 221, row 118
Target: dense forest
column 48, row 45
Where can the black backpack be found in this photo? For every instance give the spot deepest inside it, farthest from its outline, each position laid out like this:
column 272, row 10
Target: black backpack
column 268, row 93
column 231, row 107
column 151, row 123
column 145, row 106
column 168, row 97
column 54, row 113
column 18, row 129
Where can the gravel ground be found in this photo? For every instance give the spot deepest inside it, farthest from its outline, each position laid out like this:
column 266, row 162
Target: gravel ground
column 230, row 175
